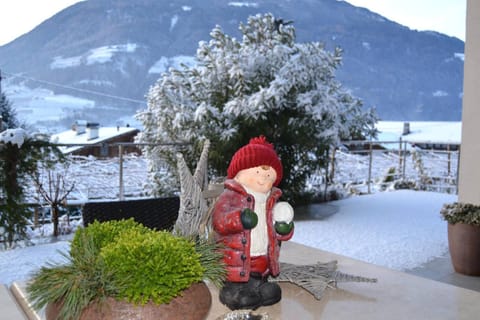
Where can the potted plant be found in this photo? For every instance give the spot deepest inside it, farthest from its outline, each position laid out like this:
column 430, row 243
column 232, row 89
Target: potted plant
column 119, row 268
column 463, row 236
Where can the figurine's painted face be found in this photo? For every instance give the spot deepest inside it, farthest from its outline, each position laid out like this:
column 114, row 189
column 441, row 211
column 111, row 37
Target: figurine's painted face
column 258, row 179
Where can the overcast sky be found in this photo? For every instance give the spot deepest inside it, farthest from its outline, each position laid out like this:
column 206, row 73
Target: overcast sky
column 446, row 16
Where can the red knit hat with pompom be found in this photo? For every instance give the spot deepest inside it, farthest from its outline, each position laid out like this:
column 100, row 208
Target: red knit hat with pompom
column 259, row 152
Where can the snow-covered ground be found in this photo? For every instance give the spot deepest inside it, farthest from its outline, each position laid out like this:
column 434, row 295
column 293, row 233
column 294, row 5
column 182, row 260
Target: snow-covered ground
column 398, row 229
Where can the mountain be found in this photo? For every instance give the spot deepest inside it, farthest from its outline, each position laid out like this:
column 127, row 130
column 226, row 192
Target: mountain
column 107, row 53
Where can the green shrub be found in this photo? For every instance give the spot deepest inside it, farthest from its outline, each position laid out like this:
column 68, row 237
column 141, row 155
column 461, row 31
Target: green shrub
column 153, row 266
column 458, row 212
column 104, row 233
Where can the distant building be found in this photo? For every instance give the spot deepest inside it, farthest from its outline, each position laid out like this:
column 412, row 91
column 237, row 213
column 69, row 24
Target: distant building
column 89, row 138
column 438, row 135
column 432, row 135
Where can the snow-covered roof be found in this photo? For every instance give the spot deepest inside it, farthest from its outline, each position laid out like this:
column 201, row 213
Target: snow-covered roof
column 82, row 140
column 431, row 132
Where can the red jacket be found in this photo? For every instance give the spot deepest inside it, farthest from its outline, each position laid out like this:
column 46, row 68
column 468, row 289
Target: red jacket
column 236, row 239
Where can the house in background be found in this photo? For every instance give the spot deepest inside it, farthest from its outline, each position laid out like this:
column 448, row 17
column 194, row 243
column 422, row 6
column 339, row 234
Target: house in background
column 91, row 139
column 395, row 135
column 436, row 135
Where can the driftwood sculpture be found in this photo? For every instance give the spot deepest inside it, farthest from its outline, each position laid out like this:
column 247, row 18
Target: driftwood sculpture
column 193, row 213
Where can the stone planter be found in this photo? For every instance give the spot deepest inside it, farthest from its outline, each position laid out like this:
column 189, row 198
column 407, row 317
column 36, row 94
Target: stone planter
column 194, row 304
column 464, row 245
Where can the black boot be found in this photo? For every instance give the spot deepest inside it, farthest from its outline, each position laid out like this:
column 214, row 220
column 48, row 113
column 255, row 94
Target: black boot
column 250, row 295
column 240, row 295
column 270, row 292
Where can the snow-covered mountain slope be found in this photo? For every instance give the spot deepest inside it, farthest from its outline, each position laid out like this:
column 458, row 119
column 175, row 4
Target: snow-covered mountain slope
column 107, row 53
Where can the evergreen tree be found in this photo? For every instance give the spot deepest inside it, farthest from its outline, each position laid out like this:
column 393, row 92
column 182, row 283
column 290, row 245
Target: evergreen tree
column 8, row 114
column 266, row 84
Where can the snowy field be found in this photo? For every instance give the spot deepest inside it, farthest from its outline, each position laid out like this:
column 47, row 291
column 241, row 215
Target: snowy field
column 398, row 229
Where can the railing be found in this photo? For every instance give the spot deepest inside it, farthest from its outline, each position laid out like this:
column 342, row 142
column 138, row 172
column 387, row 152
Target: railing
column 106, row 178
column 363, row 166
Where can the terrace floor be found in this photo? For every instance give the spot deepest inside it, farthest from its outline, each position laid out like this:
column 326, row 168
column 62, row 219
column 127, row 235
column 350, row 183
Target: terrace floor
column 433, row 291
column 441, row 269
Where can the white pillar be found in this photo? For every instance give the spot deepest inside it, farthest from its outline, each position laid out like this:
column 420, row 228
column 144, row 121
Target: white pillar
column 469, row 175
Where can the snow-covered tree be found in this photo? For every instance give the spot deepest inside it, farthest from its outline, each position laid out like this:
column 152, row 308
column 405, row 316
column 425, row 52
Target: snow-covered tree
column 266, row 84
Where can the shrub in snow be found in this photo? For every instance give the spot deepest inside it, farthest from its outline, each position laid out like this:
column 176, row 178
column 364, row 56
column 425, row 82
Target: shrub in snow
column 266, row 84
column 405, row 184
